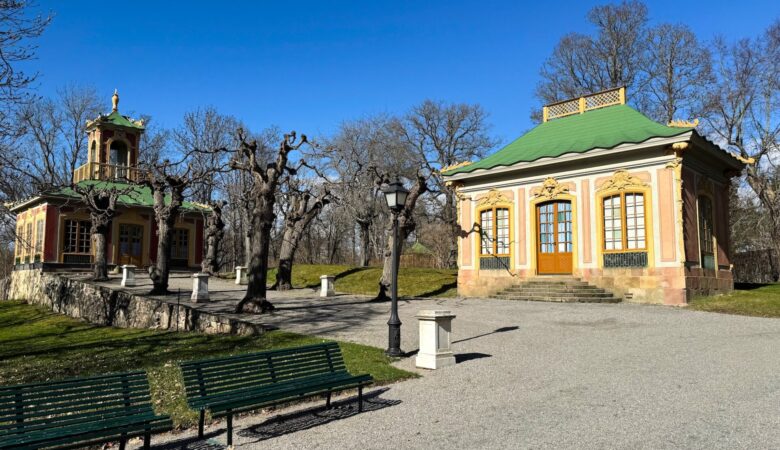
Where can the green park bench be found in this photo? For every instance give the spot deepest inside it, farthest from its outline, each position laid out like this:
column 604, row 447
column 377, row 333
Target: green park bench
column 239, row 383
column 78, row 412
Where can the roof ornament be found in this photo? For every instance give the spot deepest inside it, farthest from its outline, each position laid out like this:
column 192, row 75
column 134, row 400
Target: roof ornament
column 454, row 166
column 683, row 123
column 115, row 100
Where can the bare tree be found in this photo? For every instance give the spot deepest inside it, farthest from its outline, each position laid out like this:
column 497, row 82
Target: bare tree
column 582, row 64
column 101, row 201
column 206, row 128
column 744, row 113
column 406, row 225
column 19, row 27
column 303, row 206
column 215, row 232
column 441, row 135
column 679, row 71
column 266, row 177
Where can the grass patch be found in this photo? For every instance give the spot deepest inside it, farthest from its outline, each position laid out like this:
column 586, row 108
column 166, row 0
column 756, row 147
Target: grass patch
column 412, row 282
column 746, row 300
column 39, row 345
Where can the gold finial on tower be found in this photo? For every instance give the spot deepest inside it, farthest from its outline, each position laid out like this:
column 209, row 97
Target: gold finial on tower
column 115, row 100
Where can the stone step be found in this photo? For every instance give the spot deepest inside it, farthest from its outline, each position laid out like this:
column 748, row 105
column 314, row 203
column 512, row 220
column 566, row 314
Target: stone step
column 610, row 299
column 561, row 289
column 556, row 294
column 556, row 283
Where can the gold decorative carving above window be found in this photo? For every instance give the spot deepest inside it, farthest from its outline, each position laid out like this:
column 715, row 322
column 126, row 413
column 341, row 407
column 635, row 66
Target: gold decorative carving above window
column 550, row 189
column 493, row 197
column 620, row 181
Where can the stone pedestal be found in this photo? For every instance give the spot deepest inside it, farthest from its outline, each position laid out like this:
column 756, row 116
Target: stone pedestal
column 326, row 286
column 435, row 329
column 241, row 275
column 200, row 287
column 128, row 275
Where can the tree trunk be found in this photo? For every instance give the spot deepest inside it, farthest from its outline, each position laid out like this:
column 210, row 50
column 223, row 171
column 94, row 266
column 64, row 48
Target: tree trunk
column 160, row 272
column 286, row 255
column 101, row 265
column 365, row 243
column 255, row 298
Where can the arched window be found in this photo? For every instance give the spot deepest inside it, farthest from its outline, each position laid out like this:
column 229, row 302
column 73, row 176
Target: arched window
column 93, row 152
column 706, row 233
column 624, row 222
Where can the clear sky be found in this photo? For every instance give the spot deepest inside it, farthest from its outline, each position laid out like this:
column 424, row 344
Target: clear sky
column 310, row 65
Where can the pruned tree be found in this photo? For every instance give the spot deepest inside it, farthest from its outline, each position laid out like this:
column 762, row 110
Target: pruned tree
column 439, row 135
column 302, row 207
column 215, row 232
column 169, row 181
column 164, row 181
column 406, row 226
column 101, row 201
column 266, row 177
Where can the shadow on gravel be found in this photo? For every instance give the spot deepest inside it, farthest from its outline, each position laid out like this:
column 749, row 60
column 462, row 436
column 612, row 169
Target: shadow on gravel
column 497, row 330
column 315, row 416
column 463, row 357
column 194, row 443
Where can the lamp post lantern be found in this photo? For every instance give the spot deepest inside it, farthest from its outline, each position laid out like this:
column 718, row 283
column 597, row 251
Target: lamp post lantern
column 395, row 195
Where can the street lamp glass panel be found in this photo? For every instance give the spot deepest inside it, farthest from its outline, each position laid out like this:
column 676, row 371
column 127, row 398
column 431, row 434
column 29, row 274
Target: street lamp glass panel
column 395, row 195
column 390, row 196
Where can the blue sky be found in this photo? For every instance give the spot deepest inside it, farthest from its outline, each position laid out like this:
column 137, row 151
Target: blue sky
column 310, row 65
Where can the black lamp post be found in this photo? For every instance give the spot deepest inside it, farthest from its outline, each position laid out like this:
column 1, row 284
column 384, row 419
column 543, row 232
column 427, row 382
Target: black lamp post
column 395, row 195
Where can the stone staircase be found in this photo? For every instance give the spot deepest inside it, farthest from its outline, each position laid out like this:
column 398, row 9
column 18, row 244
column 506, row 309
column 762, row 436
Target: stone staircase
column 557, row 289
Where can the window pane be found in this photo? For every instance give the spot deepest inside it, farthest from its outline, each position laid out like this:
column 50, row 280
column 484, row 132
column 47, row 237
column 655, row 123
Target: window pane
column 635, row 221
column 613, row 225
column 486, row 227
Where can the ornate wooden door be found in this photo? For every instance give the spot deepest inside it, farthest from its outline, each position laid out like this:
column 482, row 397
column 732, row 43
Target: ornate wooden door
column 131, row 239
column 554, row 238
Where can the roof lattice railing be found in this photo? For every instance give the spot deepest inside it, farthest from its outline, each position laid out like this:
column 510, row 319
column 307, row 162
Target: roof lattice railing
column 588, row 102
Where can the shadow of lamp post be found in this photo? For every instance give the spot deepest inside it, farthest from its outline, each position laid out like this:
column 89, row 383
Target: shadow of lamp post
column 395, row 195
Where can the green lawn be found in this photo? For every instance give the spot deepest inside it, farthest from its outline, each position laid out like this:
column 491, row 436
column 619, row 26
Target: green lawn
column 747, row 300
column 412, row 282
column 38, row 345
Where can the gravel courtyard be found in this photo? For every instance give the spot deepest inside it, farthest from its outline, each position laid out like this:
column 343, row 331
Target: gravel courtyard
column 541, row 375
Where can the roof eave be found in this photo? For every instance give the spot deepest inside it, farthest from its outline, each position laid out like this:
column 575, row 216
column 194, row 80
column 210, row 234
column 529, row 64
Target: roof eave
column 592, row 153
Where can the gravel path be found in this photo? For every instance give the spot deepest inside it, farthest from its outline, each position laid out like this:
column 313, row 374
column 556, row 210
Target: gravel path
column 541, row 375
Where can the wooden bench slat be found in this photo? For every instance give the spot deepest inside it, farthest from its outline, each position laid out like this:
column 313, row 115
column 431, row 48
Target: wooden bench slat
column 84, row 415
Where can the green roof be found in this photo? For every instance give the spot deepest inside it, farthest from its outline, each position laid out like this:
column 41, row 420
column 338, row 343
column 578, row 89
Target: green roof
column 138, row 196
column 117, row 119
column 601, row 128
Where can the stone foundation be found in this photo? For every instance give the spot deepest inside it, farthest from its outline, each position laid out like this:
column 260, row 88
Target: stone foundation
column 702, row 282
column 103, row 306
column 657, row 285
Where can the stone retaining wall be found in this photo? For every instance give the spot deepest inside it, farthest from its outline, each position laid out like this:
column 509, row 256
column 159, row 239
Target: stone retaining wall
column 104, row 306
